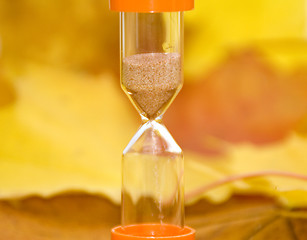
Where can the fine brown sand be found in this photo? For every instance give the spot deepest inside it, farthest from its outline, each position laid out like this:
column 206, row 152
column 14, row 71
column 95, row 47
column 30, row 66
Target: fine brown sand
column 152, row 80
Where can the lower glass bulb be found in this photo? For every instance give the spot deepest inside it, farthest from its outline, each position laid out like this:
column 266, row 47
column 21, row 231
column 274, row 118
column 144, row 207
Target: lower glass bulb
column 152, row 168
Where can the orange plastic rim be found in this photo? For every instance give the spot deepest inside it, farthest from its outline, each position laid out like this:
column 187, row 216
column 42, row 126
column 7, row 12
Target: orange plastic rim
column 151, row 5
column 152, row 231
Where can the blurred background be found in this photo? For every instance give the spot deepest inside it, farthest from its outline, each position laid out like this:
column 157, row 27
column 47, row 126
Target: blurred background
column 64, row 120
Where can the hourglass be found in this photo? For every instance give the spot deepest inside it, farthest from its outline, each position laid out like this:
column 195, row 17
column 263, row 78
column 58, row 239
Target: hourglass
column 152, row 76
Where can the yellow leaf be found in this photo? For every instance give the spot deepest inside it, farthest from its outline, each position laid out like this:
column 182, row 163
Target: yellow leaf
column 215, row 27
column 65, row 131
column 288, row 156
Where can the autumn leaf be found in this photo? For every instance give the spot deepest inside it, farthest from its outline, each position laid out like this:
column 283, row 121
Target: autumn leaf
column 58, row 134
column 73, row 34
column 50, row 102
column 62, row 218
column 241, row 120
column 244, row 100
column 246, row 218
column 216, row 28
column 64, row 121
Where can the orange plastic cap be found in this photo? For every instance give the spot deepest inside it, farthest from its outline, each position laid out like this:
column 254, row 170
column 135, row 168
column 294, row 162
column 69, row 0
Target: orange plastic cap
column 151, row 5
column 152, row 231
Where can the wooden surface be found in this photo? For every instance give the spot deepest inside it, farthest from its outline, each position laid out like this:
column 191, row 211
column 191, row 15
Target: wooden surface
column 82, row 216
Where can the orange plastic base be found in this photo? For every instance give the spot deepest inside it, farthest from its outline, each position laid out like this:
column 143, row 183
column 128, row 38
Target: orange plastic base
column 152, row 231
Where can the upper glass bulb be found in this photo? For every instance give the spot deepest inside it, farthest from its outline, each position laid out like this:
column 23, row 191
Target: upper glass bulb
column 151, row 66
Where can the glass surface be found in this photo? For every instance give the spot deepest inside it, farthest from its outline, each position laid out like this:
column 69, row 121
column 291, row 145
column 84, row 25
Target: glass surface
column 153, row 178
column 151, row 76
column 151, row 60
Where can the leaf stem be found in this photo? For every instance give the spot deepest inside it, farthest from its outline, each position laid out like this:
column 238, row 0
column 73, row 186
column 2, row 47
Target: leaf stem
column 269, row 173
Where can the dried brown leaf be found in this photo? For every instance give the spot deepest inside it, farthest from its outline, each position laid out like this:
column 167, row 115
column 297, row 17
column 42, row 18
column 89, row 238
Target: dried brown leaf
column 81, row 216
